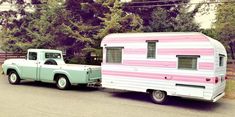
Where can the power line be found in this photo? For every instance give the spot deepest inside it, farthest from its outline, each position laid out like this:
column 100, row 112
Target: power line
column 173, row 4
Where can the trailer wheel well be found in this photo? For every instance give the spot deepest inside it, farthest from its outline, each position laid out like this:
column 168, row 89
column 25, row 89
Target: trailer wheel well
column 9, row 70
column 150, row 90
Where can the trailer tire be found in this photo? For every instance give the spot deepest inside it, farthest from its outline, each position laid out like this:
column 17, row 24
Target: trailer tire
column 13, row 77
column 158, row 97
column 62, row 82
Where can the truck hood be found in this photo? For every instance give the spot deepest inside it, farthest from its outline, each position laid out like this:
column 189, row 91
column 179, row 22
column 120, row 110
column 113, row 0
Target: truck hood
column 10, row 61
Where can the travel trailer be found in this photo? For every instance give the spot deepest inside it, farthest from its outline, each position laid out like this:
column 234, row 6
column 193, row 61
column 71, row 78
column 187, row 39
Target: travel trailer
column 184, row 64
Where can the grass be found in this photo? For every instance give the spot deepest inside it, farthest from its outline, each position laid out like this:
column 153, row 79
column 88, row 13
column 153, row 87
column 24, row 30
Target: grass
column 230, row 89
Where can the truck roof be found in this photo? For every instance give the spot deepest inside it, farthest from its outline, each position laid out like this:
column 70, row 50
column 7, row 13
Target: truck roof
column 44, row 50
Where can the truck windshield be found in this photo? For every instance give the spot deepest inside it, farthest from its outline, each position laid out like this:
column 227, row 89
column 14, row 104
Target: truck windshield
column 53, row 55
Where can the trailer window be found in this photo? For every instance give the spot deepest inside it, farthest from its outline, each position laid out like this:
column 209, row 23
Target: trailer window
column 114, row 55
column 32, row 56
column 187, row 62
column 151, row 53
column 221, row 60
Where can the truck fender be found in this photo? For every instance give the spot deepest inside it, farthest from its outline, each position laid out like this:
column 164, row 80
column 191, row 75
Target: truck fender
column 14, row 68
column 63, row 73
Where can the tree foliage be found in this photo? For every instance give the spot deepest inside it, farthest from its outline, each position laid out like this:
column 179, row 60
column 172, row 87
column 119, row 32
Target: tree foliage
column 225, row 21
column 33, row 30
column 115, row 20
column 225, row 26
column 162, row 20
column 50, row 26
column 78, row 26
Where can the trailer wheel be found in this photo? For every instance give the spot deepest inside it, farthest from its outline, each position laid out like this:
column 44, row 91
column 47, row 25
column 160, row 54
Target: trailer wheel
column 158, row 97
column 62, row 82
column 13, row 77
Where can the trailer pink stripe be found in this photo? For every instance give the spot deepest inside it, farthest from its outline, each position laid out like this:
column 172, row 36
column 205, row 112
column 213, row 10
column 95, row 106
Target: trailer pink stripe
column 181, row 51
column 185, row 78
column 172, row 51
column 206, row 65
column 164, row 64
column 135, row 51
column 148, row 63
column 181, row 38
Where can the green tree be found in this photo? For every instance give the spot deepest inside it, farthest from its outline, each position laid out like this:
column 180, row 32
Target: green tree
column 33, row 30
column 115, row 20
column 69, row 25
column 112, row 19
column 210, row 32
column 225, row 26
column 162, row 20
column 51, row 25
column 145, row 9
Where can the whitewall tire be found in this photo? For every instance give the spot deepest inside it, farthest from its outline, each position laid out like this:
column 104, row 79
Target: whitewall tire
column 13, row 77
column 63, row 82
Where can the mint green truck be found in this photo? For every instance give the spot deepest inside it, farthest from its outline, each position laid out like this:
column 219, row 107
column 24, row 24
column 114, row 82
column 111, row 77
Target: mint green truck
column 47, row 65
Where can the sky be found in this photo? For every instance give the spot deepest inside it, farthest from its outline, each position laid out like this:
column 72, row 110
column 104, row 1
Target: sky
column 205, row 20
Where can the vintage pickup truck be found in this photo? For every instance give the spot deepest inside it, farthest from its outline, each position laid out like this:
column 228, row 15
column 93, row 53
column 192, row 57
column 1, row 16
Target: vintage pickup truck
column 47, row 65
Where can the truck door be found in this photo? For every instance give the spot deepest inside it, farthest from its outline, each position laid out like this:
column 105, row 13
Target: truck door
column 29, row 69
column 48, row 65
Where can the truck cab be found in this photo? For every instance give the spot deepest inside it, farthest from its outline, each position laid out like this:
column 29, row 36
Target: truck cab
column 48, row 66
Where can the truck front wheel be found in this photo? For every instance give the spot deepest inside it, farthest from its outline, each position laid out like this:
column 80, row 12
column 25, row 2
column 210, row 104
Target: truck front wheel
column 63, row 82
column 13, row 77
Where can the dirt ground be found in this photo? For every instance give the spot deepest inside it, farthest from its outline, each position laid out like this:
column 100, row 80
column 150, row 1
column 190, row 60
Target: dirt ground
column 33, row 99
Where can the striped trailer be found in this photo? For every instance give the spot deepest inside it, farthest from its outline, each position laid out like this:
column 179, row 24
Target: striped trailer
column 184, row 64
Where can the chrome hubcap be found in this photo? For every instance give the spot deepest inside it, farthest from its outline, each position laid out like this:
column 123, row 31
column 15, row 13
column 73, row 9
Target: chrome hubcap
column 158, row 95
column 13, row 77
column 62, row 82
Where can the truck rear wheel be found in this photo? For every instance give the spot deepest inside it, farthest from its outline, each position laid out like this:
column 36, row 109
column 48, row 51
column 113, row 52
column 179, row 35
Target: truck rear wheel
column 158, row 97
column 13, row 77
column 62, row 82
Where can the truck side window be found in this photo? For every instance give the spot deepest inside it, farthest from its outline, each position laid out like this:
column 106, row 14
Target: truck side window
column 187, row 62
column 53, row 55
column 151, row 53
column 114, row 55
column 32, row 56
column 221, row 60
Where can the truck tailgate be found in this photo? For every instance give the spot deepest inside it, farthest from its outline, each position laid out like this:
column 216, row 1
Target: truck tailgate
column 94, row 73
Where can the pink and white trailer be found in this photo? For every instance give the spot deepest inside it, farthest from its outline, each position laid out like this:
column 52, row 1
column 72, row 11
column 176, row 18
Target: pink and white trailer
column 184, row 64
